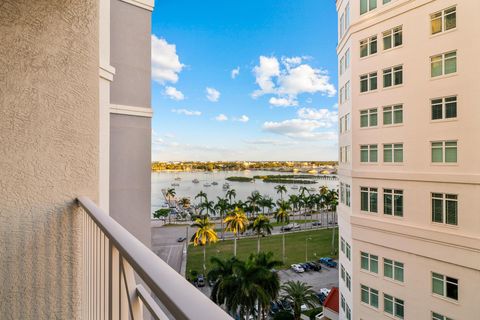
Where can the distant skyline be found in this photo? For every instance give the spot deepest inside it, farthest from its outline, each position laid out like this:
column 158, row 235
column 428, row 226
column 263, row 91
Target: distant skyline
column 244, row 80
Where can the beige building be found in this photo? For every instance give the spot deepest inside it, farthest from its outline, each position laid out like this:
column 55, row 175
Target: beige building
column 75, row 166
column 409, row 165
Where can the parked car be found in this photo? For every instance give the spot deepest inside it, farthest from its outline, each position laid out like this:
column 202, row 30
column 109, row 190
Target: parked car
column 181, row 239
column 315, row 266
column 297, row 268
column 321, row 297
column 211, row 282
column 200, row 280
column 325, row 291
column 274, row 307
column 306, row 266
column 329, row 262
column 316, row 223
column 285, row 305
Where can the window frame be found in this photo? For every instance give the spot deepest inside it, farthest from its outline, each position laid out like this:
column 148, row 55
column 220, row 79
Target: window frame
column 391, row 109
column 370, row 191
column 445, row 199
column 370, row 148
column 395, row 73
column 393, row 147
column 369, row 259
column 370, row 292
column 369, row 6
column 443, row 60
column 394, row 301
column 395, row 194
column 369, row 43
column 443, row 105
column 445, row 282
column 394, row 265
column 370, row 114
column 442, row 15
column 391, row 33
column 443, row 147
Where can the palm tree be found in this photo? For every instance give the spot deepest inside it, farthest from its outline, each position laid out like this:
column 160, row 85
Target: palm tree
column 323, row 193
column 299, row 293
column 205, row 234
column 281, row 189
column 237, row 223
column 221, row 273
column 222, row 207
column 282, row 216
column 208, row 207
column 184, row 202
column 231, row 194
column 295, row 201
column 253, row 200
column 332, row 202
column 170, row 194
column 202, row 195
column 266, row 202
column 261, row 225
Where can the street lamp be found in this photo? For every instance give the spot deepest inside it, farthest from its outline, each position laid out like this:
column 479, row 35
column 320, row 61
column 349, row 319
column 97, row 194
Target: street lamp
column 306, row 248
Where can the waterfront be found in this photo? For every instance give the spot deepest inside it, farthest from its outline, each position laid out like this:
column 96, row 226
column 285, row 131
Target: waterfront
column 186, row 188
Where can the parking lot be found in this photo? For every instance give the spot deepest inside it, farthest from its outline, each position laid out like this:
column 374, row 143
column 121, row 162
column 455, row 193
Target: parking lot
column 326, row 278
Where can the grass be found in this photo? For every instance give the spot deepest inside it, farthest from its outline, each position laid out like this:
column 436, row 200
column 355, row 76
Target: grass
column 319, row 245
column 313, row 312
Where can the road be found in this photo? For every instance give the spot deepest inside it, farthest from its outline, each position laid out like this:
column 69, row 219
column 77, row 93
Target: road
column 165, row 245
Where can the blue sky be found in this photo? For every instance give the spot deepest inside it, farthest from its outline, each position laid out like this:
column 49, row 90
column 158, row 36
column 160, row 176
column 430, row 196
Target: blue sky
column 244, row 80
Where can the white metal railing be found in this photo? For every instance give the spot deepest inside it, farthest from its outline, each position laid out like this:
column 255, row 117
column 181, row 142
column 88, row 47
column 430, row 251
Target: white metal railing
column 113, row 258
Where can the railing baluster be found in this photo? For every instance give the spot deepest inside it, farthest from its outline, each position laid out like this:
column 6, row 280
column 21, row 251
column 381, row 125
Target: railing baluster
column 114, row 289
column 134, row 303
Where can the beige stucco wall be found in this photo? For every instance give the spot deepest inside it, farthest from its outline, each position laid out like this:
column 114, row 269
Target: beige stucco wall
column 48, row 151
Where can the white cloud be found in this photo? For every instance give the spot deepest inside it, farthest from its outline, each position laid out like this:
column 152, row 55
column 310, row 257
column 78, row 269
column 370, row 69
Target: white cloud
column 270, row 142
column 243, row 118
column 221, row 117
column 294, row 78
column 283, row 102
column 187, row 112
column 300, row 128
column 173, row 93
column 212, row 94
column 325, row 115
column 169, row 135
column 165, row 62
column 268, row 68
column 235, row 72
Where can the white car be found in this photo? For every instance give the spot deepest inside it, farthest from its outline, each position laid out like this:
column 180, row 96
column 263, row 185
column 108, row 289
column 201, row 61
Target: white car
column 325, row 291
column 297, row 268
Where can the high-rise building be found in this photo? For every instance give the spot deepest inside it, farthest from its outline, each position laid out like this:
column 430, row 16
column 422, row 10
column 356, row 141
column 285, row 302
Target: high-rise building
column 408, row 161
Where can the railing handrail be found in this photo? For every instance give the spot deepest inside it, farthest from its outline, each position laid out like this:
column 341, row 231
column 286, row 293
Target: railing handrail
column 178, row 295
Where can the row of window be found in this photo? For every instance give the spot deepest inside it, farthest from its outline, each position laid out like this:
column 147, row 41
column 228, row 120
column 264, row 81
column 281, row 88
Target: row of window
column 345, row 154
column 344, row 94
column 391, row 269
column 392, row 76
column 345, row 248
column 344, row 22
column 391, row 305
column 391, row 38
column 345, row 307
column 344, row 62
column 444, row 206
column 344, row 124
column 346, row 277
column 345, row 194
column 369, row 5
column 441, row 152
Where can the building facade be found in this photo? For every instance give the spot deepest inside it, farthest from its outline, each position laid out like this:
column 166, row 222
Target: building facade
column 408, row 165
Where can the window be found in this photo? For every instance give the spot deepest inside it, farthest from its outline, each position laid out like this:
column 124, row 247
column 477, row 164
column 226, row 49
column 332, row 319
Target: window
column 393, row 202
column 442, row 64
column 443, row 20
column 342, row 192
column 393, row 114
column 368, row 118
column 445, row 286
column 368, row 46
column 348, row 281
column 347, row 195
column 445, row 208
column 369, row 199
column 342, row 273
column 349, row 313
column 438, row 316
column 342, row 25
column 368, row 82
column 369, row 262
column 347, row 122
column 444, row 108
column 340, row 96
column 392, row 38
column 347, row 16
column 342, row 244
column 347, row 59
column 367, row 5
column 348, row 250
column 386, row 1
column 444, row 152
column 393, row 306
column 369, row 153
column 392, row 76
column 342, row 301
column 347, row 91
column 393, row 269
column 369, row 296
column 393, row 152
column 341, row 66
column 345, row 154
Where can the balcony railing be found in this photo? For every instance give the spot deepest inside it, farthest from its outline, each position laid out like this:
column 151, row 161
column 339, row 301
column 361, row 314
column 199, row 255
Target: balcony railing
column 112, row 261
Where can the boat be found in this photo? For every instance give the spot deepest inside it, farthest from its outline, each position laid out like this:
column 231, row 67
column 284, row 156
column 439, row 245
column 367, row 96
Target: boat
column 175, row 184
column 214, row 183
column 294, row 187
column 226, row 186
column 207, row 184
column 195, row 181
column 178, row 179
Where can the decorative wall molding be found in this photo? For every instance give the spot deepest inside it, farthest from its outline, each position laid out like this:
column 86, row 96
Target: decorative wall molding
column 145, row 4
column 131, row 110
column 106, row 72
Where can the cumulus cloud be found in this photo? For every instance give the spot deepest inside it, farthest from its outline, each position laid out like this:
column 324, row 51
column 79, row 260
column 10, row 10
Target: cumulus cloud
column 212, row 94
column 242, row 118
column 173, row 93
column 289, row 79
column 165, row 62
column 300, row 128
column 221, row 117
column 283, row 102
column 187, row 112
column 325, row 115
column 235, row 72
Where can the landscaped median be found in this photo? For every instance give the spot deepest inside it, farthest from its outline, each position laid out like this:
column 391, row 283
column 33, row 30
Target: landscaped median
column 316, row 243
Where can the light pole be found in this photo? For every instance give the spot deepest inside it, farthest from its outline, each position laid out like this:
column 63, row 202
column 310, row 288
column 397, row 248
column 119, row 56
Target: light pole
column 306, row 248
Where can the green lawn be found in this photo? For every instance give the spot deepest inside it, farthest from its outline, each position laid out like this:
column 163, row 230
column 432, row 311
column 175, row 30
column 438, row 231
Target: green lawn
column 319, row 245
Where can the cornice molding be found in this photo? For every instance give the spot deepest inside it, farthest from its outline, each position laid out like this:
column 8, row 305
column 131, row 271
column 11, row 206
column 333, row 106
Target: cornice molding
column 144, row 4
column 131, row 110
